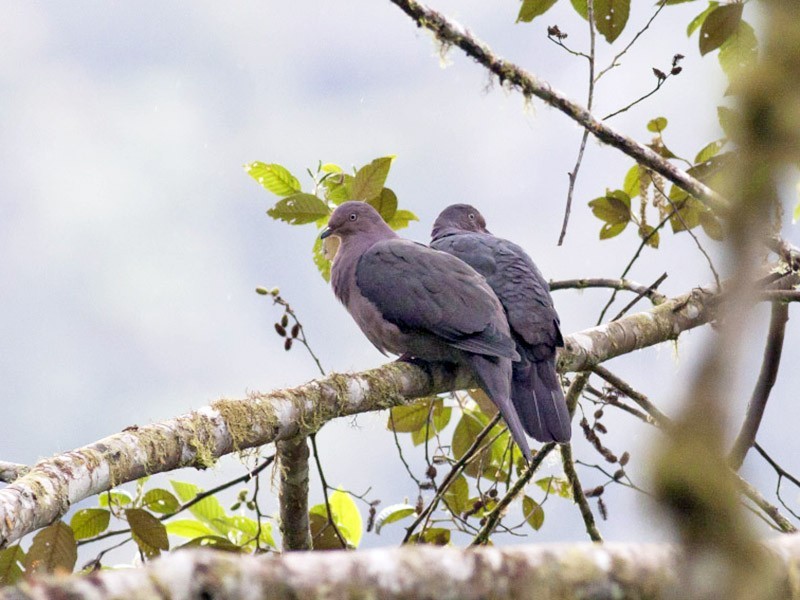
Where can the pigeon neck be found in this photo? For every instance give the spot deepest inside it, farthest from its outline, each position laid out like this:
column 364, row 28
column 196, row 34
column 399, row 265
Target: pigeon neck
column 443, row 232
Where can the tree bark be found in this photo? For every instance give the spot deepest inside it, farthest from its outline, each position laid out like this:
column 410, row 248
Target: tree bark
column 293, row 467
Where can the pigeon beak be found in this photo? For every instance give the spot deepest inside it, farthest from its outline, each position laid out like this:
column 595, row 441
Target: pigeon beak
column 325, row 233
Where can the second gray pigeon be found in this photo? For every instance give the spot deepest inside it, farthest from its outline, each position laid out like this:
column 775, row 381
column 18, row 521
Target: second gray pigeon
column 536, row 392
column 417, row 302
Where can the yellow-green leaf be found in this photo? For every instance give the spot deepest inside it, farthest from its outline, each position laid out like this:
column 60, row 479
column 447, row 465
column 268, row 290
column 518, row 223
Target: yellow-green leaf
column 216, row 542
column 457, row 495
column 556, row 485
column 533, row 512
column 115, row 498
column 160, row 501
column 347, row 517
column 11, row 561
column 438, row 536
column 149, row 533
column 719, row 25
column 657, row 125
column 53, row 549
column 323, row 264
column 709, row 151
column 247, row 530
column 299, row 209
column 613, row 208
column 610, row 17
column 338, row 188
column 370, row 178
column 649, row 233
column 401, row 219
column 323, row 536
column 609, row 230
column 711, row 225
column 631, row 183
column 700, row 19
column 739, row 50
column 188, row 528
column 391, row 514
column 531, row 9
column 581, row 7
column 385, row 203
column 273, row 177
column 209, row 510
column 89, row 522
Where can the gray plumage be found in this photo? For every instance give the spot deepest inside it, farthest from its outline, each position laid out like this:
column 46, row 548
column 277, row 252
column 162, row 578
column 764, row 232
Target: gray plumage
column 536, row 392
column 417, row 302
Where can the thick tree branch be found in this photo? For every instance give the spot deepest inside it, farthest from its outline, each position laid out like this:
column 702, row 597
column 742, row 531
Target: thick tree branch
column 10, row 471
column 293, row 467
column 197, row 439
column 585, row 570
column 450, row 33
column 766, row 379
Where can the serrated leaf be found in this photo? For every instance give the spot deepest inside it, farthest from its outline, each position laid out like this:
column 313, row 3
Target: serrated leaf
column 299, row 209
column 188, row 528
column 160, row 501
column 581, row 7
column 347, row 517
column 710, row 150
column 711, row 225
column 53, row 549
column 370, row 178
column 216, row 542
column 323, row 536
column 719, row 25
column 385, row 203
column 657, row 125
column 208, row 510
column 700, row 19
column 273, row 177
column 533, row 512
column 610, row 17
column 613, row 208
column 320, row 260
column 531, row 9
column 11, row 561
column 392, row 514
column 649, row 233
column 739, row 51
column 148, row 532
column 556, row 485
column 89, row 522
column 116, row 498
column 401, row 219
column 437, row 536
column 457, row 495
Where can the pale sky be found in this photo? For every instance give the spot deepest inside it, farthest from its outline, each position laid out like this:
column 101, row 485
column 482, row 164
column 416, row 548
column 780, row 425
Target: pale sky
column 132, row 239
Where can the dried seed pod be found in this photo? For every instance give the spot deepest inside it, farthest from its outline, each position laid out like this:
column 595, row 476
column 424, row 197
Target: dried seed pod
column 295, row 330
column 280, row 329
column 287, row 345
column 284, row 320
column 623, row 460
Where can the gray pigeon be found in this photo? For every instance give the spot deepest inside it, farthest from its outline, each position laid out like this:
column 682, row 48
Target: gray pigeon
column 421, row 303
column 536, row 392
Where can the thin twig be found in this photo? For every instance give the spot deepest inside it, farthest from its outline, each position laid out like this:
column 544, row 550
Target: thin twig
column 766, row 380
column 331, row 522
column 639, row 296
column 660, row 83
column 655, row 296
column 577, row 493
column 573, row 175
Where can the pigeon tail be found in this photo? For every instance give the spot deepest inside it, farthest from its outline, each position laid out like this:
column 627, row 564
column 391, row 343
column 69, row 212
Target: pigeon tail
column 539, row 400
column 494, row 377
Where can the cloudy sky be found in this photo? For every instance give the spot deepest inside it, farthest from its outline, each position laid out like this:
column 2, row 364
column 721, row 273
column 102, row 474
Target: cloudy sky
column 132, row 239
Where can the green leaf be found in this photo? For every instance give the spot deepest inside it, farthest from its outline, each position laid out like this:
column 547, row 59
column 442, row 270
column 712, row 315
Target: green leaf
column 556, row 485
column 160, row 501
column 739, row 51
column 323, row 537
column 613, row 208
column 457, row 495
column 439, row 420
column 338, row 188
column 437, row 536
column 631, row 183
column 649, row 230
column 609, row 230
column 687, row 215
column 299, row 209
column 216, row 542
column 668, row 2
column 208, row 510
column 658, row 146
column 700, row 19
column 711, row 225
column 581, row 7
column 273, row 177
column 392, row 514
column 370, row 178
column 53, row 549
column 710, row 150
column 610, row 17
column 533, row 512
column 487, row 462
column 401, row 219
column 796, row 213
column 11, row 561
column 330, row 168
column 719, row 25
column 149, row 533
column 245, row 530
column 323, row 264
column 385, row 203
column 531, row 9
column 89, row 522
column 116, row 498
column 188, row 528
column 347, row 517
column 405, row 419
column 657, row 125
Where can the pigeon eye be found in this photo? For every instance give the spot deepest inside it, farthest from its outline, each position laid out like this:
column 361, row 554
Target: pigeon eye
column 353, row 216
column 471, row 216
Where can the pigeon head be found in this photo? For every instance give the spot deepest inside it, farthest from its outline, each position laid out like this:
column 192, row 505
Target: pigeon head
column 356, row 218
column 458, row 217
